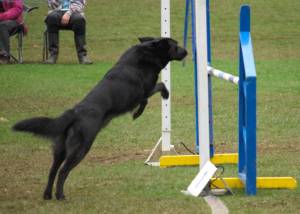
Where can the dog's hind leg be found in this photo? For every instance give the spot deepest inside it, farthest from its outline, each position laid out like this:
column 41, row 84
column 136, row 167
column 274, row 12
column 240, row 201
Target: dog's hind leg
column 58, row 157
column 71, row 161
column 77, row 146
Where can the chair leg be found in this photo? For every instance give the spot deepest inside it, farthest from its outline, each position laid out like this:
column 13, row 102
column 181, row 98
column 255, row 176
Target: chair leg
column 11, row 56
column 14, row 58
column 45, row 46
column 20, row 48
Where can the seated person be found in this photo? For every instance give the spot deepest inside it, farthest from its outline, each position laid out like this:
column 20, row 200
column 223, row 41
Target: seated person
column 10, row 18
column 66, row 13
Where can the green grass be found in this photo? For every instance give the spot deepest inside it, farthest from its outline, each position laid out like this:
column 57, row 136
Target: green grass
column 114, row 25
column 112, row 178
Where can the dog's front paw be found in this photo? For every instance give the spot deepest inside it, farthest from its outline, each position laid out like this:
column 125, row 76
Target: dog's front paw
column 136, row 115
column 165, row 94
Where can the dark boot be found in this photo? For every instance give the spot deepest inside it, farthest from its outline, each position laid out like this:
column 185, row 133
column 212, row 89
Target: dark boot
column 4, row 58
column 85, row 60
column 51, row 60
column 53, row 48
column 81, row 50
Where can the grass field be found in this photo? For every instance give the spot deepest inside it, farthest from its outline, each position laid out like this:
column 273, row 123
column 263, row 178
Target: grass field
column 113, row 178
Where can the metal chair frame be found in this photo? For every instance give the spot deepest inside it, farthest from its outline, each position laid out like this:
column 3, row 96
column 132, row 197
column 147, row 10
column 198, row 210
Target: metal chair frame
column 20, row 32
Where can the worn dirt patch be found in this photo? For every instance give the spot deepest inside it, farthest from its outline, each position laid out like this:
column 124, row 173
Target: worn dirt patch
column 116, row 158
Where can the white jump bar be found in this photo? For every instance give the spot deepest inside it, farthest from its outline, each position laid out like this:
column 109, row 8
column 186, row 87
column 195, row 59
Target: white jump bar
column 222, row 75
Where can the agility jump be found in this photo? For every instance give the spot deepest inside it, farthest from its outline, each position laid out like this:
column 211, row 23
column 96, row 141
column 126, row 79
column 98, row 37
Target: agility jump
column 246, row 157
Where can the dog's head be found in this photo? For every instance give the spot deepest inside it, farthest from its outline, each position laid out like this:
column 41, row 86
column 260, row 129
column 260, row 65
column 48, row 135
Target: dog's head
column 166, row 48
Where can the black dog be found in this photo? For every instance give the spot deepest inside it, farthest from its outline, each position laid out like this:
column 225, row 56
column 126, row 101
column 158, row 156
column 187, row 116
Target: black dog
column 126, row 87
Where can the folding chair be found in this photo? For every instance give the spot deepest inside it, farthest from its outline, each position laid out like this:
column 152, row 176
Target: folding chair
column 20, row 31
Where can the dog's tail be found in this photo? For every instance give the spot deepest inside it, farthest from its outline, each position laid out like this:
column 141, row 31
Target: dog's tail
column 47, row 127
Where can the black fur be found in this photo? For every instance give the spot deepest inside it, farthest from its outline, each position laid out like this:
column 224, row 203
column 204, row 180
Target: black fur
column 47, row 127
column 126, row 87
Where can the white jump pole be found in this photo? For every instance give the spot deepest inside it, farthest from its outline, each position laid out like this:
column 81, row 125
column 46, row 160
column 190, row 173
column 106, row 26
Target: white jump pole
column 202, row 81
column 165, row 139
column 166, row 79
column 207, row 169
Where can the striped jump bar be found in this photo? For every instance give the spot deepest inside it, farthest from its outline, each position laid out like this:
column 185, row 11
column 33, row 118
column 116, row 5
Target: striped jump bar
column 222, row 75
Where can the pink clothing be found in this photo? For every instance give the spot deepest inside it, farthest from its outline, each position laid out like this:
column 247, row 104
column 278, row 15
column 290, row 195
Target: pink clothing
column 12, row 10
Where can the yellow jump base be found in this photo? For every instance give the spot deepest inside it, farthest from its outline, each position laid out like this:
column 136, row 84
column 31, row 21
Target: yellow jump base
column 230, row 158
column 193, row 160
column 261, row 182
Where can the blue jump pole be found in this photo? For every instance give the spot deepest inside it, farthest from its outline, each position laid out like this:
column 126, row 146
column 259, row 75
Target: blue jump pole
column 186, row 23
column 190, row 4
column 247, row 105
column 211, row 127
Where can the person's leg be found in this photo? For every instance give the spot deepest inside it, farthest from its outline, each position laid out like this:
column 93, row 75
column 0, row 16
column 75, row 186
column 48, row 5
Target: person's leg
column 6, row 29
column 78, row 24
column 53, row 21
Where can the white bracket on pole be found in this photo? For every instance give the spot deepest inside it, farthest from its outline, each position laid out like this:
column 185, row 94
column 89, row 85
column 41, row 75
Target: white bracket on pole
column 202, row 179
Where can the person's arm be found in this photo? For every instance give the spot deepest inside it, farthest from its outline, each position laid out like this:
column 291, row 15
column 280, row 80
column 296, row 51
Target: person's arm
column 53, row 4
column 76, row 6
column 14, row 12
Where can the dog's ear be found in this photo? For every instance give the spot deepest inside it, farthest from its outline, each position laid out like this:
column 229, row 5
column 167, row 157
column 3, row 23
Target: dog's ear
column 163, row 43
column 146, row 39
